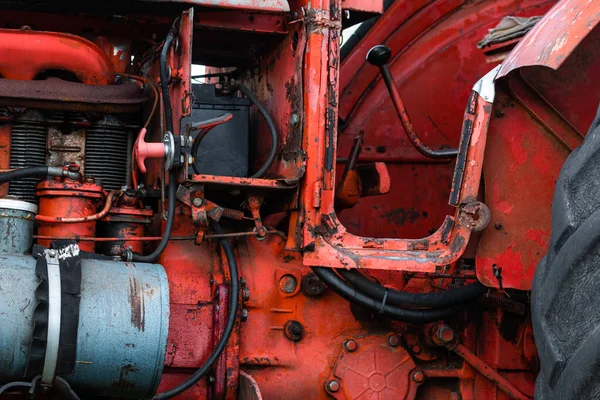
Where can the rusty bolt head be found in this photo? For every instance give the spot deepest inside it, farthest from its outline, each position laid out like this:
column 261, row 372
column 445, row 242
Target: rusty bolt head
column 244, row 314
column 197, row 201
column 312, row 286
column 293, row 330
column 350, row 345
column 288, row 283
column 418, row 376
column 475, row 215
column 445, row 334
column 332, row 386
column 295, row 119
column 416, row 349
column 393, row 340
column 245, row 294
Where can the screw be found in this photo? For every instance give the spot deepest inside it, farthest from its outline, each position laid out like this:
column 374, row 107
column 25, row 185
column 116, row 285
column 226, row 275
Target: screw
column 190, row 159
column 445, row 334
column 350, row 345
column 498, row 225
column 393, row 340
column 197, row 202
column 244, row 314
column 333, row 386
column 418, row 376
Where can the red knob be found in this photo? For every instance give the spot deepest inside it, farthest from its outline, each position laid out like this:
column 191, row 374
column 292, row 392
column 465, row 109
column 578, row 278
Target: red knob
column 145, row 150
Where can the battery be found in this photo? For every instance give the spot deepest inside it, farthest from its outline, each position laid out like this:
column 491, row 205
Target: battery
column 224, row 150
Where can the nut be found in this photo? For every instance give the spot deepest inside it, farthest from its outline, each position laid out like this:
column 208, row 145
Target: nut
column 312, row 286
column 418, row 376
column 293, row 330
column 197, row 202
column 350, row 345
column 444, row 334
column 333, row 386
column 288, row 283
column 393, row 340
column 244, row 314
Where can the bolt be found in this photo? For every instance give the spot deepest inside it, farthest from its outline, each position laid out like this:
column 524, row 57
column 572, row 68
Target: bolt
column 393, row 340
column 350, row 345
column 190, row 159
column 445, row 334
column 500, row 113
column 245, row 294
column 418, row 376
column 294, row 119
column 244, row 314
column 52, row 253
column 312, row 286
column 293, row 330
column 333, row 386
column 288, row 283
column 181, row 159
column 197, row 202
column 416, row 349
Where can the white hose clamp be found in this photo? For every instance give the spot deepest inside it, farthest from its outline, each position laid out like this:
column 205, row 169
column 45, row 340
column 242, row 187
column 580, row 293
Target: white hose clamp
column 54, row 316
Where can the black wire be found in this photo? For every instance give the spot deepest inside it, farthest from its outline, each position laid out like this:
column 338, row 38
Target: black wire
column 272, row 128
column 434, row 300
column 15, row 385
column 164, row 84
column 234, row 292
column 401, row 314
column 21, row 173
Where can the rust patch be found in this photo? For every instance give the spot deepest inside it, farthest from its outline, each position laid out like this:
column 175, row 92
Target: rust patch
column 123, row 382
column 136, row 300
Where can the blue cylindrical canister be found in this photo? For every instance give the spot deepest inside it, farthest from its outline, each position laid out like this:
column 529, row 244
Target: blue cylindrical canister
column 122, row 331
column 16, row 225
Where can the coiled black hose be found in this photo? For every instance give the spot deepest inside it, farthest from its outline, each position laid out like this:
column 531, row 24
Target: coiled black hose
column 272, row 128
column 401, row 314
column 433, row 300
column 234, row 292
column 164, row 84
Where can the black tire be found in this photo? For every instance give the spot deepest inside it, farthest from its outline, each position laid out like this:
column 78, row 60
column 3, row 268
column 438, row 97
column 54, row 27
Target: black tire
column 566, row 288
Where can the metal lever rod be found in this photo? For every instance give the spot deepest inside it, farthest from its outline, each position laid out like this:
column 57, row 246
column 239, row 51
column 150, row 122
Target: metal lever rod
column 379, row 57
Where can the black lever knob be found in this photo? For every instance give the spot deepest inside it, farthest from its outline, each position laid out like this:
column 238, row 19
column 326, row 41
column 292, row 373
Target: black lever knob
column 379, row 55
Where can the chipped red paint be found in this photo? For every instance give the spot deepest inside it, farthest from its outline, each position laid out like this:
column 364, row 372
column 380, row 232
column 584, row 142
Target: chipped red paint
column 555, row 37
column 253, row 5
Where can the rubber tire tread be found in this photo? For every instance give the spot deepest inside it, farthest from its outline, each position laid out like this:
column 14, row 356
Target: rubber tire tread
column 565, row 301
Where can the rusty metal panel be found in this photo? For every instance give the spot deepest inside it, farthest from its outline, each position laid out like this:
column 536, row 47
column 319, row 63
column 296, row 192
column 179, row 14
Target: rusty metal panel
column 555, row 37
column 256, row 5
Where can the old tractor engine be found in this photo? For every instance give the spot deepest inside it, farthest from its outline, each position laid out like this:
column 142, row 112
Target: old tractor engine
column 303, row 219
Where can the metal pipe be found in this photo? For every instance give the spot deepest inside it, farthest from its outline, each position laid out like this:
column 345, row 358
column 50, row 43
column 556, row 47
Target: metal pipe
column 89, row 218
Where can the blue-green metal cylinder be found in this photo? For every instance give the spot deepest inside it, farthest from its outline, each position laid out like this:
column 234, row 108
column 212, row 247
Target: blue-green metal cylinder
column 16, row 225
column 122, row 331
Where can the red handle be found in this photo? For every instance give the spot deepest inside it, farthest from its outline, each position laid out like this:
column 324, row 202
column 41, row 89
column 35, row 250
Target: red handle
column 145, row 150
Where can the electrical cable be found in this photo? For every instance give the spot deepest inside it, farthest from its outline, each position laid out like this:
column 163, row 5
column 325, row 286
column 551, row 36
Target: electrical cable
column 164, row 83
column 272, row 128
column 17, row 384
column 234, row 292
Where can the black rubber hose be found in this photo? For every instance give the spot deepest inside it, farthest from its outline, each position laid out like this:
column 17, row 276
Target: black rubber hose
column 164, row 84
column 400, row 314
column 234, row 292
column 274, row 137
column 21, row 173
column 433, row 300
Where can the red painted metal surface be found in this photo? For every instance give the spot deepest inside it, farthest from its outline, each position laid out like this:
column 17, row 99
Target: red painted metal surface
column 67, row 199
column 52, row 52
column 554, row 38
column 254, row 5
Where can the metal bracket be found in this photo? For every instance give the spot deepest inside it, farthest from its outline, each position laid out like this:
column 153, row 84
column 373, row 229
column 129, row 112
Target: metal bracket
column 485, row 86
column 54, row 317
